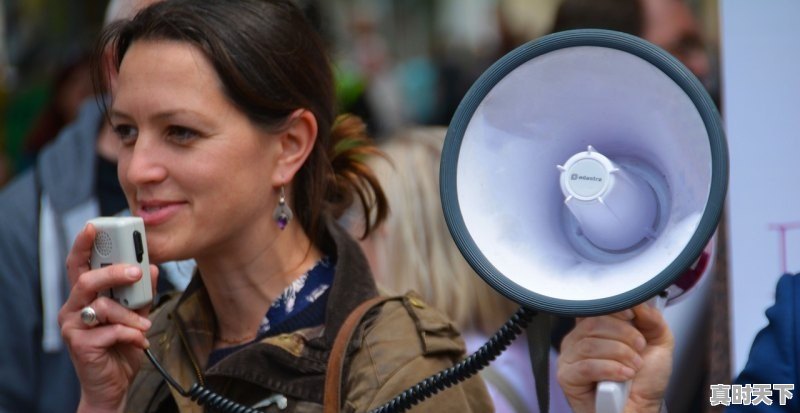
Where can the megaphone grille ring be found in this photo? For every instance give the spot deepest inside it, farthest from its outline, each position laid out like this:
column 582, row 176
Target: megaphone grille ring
column 103, row 244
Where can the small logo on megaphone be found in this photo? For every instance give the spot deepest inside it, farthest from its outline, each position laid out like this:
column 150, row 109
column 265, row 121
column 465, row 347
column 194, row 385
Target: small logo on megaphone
column 576, row 177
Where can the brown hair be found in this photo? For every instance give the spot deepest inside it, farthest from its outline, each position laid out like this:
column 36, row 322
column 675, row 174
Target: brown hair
column 271, row 62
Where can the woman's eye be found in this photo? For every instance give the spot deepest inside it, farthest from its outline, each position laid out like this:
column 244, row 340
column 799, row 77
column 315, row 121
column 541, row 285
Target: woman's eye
column 126, row 133
column 181, row 134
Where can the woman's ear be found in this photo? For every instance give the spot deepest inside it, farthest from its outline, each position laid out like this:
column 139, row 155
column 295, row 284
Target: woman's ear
column 296, row 143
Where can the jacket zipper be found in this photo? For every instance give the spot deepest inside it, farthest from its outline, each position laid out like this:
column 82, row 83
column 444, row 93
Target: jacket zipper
column 191, row 355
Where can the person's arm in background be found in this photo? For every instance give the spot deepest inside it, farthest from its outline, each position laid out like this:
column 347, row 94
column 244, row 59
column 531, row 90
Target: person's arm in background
column 20, row 302
column 633, row 344
column 773, row 356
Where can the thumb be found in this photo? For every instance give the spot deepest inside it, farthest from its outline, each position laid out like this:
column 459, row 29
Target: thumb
column 650, row 322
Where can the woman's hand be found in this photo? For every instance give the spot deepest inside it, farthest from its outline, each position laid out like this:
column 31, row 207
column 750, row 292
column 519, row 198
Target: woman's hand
column 634, row 344
column 108, row 354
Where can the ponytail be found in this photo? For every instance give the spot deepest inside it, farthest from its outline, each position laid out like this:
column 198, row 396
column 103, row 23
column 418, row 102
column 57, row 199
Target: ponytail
column 351, row 177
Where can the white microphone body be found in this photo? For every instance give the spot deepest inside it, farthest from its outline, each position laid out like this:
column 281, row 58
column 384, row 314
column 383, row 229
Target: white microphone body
column 120, row 240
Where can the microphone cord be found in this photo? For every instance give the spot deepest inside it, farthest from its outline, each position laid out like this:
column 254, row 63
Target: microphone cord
column 405, row 400
column 200, row 394
column 463, row 370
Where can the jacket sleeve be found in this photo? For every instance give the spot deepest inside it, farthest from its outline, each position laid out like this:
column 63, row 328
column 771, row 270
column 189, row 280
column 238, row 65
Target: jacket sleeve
column 406, row 343
column 20, row 324
column 773, row 356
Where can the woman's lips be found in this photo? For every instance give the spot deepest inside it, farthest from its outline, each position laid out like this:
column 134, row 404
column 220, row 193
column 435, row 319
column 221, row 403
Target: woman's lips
column 156, row 213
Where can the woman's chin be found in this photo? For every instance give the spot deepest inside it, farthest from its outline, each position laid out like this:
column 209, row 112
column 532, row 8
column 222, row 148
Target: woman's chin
column 160, row 255
column 158, row 260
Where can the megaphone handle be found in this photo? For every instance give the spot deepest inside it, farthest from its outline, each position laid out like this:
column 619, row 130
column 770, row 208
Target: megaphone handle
column 612, row 395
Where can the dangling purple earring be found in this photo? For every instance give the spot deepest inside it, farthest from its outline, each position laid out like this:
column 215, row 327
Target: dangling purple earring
column 282, row 214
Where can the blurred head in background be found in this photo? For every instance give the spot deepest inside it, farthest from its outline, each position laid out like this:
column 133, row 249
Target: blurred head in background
column 668, row 24
column 413, row 249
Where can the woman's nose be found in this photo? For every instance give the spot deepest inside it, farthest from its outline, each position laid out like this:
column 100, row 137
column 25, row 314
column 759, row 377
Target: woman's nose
column 145, row 164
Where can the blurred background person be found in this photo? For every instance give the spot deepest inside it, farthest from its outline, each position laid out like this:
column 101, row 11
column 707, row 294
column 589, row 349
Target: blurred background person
column 413, row 250
column 43, row 209
column 669, row 24
column 45, row 72
column 72, row 85
column 367, row 85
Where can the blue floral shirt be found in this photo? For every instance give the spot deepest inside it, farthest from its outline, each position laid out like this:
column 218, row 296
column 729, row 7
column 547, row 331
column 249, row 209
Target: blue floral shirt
column 302, row 304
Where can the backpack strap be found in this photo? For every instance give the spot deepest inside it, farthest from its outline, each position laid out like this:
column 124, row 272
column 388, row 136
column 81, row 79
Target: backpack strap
column 333, row 378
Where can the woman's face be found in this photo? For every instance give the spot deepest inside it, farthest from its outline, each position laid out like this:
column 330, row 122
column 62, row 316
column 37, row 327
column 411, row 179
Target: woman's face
column 192, row 165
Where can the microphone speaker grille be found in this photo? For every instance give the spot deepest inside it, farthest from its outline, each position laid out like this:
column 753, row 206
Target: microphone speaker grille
column 103, row 244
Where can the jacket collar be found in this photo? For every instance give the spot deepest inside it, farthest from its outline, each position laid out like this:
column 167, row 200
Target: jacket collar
column 352, row 283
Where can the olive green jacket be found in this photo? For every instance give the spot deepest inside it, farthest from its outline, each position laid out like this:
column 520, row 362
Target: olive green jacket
column 396, row 346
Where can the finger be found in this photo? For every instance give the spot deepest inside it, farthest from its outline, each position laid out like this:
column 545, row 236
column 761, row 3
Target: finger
column 111, row 312
column 578, row 332
column 145, row 311
column 80, row 253
column 650, row 322
column 604, row 349
column 606, row 327
column 624, row 315
column 87, row 344
column 89, row 284
column 588, row 372
column 154, row 278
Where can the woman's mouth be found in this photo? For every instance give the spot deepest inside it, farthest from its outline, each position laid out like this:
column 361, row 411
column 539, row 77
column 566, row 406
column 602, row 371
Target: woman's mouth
column 157, row 212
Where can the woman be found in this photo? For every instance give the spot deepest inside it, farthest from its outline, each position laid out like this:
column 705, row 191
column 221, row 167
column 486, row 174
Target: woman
column 225, row 114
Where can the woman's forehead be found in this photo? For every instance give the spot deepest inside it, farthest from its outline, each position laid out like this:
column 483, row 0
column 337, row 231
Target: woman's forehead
column 166, row 75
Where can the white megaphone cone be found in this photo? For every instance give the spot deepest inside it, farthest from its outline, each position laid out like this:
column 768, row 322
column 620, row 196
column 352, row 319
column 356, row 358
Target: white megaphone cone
column 619, row 221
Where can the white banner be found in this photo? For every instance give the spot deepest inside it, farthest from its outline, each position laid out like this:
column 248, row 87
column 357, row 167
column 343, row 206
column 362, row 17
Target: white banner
column 761, row 110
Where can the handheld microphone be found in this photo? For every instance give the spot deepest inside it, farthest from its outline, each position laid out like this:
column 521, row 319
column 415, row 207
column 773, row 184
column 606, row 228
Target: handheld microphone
column 122, row 240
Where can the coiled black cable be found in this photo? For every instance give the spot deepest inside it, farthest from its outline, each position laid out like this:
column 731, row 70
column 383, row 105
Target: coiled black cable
column 463, row 370
column 200, row 394
column 405, row 400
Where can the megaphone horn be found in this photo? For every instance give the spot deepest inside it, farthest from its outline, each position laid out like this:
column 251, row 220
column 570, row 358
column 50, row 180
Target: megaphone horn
column 584, row 173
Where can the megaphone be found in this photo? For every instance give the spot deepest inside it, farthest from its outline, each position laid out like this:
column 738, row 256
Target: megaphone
column 583, row 173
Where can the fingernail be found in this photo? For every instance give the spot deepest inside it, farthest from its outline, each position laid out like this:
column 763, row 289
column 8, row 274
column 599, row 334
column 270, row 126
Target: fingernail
column 145, row 322
column 146, row 343
column 638, row 361
column 133, row 272
column 628, row 373
column 640, row 343
column 629, row 315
